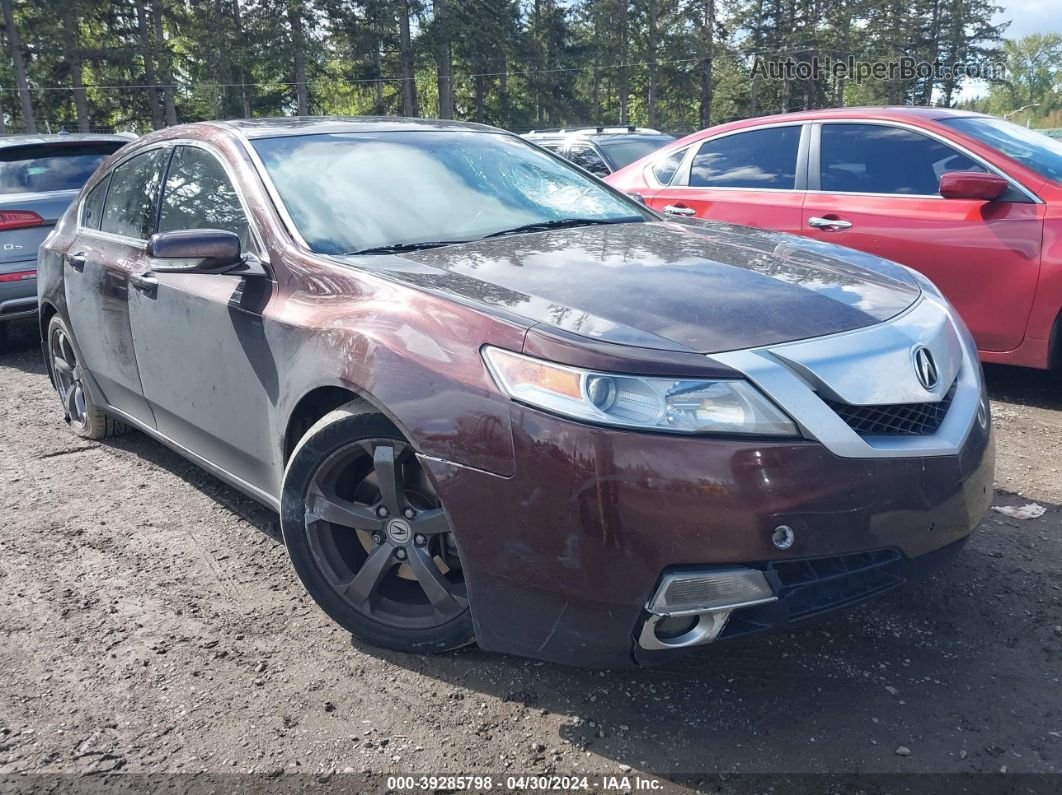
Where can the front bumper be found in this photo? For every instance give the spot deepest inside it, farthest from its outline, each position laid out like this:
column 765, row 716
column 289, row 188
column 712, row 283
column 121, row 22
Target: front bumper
column 562, row 558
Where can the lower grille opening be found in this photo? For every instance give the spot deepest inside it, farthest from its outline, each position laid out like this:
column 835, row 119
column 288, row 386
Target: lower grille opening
column 896, row 419
column 811, row 586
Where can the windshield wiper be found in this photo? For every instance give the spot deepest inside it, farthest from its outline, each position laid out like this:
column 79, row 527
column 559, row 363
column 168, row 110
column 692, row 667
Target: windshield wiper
column 564, row 223
column 397, row 248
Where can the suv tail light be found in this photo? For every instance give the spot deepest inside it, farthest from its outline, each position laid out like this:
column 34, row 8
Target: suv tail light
column 18, row 219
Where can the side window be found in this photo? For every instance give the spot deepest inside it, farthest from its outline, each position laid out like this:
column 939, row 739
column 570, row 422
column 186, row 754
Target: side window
column 665, row 168
column 133, row 198
column 199, row 195
column 875, row 158
column 587, row 157
column 92, row 207
column 754, row 159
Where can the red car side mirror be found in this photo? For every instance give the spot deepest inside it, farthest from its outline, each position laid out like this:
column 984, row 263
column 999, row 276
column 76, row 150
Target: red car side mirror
column 972, row 185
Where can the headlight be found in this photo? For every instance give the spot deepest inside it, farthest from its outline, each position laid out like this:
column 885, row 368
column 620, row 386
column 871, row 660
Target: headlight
column 659, row 404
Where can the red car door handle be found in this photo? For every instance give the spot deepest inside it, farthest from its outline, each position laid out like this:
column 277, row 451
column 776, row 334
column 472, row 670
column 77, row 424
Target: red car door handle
column 829, row 224
column 679, row 209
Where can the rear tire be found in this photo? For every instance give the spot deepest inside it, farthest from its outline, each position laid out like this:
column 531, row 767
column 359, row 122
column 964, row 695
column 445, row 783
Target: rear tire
column 369, row 538
column 85, row 417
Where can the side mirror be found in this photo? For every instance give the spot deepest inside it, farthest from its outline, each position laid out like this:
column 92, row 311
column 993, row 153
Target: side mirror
column 194, row 251
column 972, row 185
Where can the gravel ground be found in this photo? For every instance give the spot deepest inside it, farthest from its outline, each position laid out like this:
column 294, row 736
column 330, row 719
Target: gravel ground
column 150, row 622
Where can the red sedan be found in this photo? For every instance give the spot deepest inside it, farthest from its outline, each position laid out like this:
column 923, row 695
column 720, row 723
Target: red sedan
column 971, row 201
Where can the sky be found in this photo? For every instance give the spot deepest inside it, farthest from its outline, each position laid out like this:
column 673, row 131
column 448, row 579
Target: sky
column 1032, row 16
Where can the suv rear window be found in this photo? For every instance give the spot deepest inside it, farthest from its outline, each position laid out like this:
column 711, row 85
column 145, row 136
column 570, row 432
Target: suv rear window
column 42, row 168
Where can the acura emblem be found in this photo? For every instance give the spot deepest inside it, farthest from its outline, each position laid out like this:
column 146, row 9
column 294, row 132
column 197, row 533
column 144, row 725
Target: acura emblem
column 925, row 367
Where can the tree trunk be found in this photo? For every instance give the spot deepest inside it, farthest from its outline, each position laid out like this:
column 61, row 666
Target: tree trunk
column 623, row 85
column 72, row 55
column 707, row 55
column 21, row 83
column 149, row 65
column 165, row 64
column 245, row 98
column 443, row 59
column 405, row 46
column 651, row 42
column 298, row 45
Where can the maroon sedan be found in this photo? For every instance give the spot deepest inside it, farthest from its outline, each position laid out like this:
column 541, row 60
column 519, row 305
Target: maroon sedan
column 495, row 400
column 971, row 201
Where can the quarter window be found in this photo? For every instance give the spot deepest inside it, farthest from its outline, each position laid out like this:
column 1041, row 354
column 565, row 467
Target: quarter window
column 756, row 159
column 587, row 157
column 133, row 198
column 875, row 158
column 199, row 195
column 92, row 208
column 665, row 168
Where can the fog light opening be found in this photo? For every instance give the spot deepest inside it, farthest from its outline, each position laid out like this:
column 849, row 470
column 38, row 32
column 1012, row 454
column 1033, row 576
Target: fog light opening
column 670, row 628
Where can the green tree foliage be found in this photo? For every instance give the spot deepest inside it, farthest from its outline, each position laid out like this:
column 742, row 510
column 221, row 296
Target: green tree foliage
column 674, row 64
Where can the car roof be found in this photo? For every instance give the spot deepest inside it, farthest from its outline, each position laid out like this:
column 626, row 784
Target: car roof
column 897, row 112
column 308, row 125
column 59, row 138
column 594, row 133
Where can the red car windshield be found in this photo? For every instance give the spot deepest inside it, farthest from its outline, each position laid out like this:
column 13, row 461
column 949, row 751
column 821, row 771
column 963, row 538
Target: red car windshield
column 1029, row 147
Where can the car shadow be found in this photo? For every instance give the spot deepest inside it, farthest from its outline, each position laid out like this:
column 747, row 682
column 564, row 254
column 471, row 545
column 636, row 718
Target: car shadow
column 921, row 668
column 1039, row 388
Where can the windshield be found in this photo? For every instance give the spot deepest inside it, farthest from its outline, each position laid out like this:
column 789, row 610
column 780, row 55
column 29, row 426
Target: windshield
column 348, row 192
column 43, row 168
column 1030, row 148
column 625, row 151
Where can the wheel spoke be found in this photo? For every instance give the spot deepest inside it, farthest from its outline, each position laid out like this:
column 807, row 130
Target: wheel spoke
column 61, row 366
column 70, row 402
column 330, row 508
column 436, row 586
column 431, row 522
column 370, row 575
column 388, row 475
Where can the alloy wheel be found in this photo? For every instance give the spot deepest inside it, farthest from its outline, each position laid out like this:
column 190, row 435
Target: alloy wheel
column 67, row 376
column 380, row 536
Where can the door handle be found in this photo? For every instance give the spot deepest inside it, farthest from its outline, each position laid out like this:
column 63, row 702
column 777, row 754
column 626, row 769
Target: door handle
column 77, row 261
column 678, row 209
column 146, row 284
column 829, row 224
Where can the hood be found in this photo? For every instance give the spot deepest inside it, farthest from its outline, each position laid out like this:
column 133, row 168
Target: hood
column 695, row 286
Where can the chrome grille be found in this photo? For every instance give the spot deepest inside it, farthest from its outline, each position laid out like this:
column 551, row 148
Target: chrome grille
column 898, row 419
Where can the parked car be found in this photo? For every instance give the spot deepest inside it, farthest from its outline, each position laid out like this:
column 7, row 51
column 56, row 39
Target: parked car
column 971, row 201
column 39, row 176
column 493, row 399
column 601, row 150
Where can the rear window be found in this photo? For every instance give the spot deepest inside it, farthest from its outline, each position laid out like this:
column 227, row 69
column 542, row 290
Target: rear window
column 51, row 167
column 624, row 151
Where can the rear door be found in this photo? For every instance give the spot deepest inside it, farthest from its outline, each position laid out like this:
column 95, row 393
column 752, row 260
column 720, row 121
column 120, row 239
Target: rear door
column 201, row 345
column 116, row 219
column 875, row 187
column 750, row 177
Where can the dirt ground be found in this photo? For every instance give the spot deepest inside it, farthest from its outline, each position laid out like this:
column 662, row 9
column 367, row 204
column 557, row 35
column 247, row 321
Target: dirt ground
column 150, row 622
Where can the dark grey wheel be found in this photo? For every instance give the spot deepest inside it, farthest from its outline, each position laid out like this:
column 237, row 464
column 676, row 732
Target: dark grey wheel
column 85, row 417
column 370, row 538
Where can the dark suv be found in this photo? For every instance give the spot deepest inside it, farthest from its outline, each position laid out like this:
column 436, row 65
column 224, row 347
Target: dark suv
column 601, row 150
column 39, row 176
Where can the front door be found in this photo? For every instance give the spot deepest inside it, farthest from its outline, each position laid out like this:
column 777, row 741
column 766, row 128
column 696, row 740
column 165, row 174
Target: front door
column 749, row 177
column 116, row 220
column 200, row 340
column 878, row 191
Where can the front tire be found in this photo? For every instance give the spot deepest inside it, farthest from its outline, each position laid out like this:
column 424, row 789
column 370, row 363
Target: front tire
column 85, row 417
column 369, row 538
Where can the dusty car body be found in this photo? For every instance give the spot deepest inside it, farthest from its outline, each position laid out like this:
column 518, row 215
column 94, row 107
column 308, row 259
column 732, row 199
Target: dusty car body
column 385, row 402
